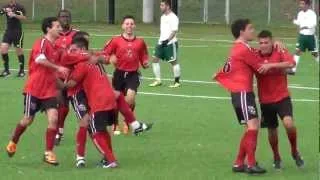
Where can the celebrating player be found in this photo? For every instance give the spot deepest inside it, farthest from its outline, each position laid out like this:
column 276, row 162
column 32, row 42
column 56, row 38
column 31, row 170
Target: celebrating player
column 307, row 23
column 40, row 90
column 275, row 98
column 167, row 47
column 14, row 12
column 130, row 52
column 63, row 42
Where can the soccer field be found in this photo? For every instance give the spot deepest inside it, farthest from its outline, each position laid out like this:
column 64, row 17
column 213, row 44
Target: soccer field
column 196, row 133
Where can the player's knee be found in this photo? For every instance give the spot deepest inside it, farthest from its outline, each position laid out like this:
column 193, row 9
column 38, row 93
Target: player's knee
column 4, row 49
column 288, row 123
column 84, row 122
column 19, row 51
column 253, row 124
column 272, row 131
column 26, row 121
column 130, row 97
column 298, row 52
column 155, row 60
column 52, row 118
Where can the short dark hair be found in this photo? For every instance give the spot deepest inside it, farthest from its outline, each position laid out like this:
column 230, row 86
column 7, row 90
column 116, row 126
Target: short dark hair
column 64, row 11
column 127, row 17
column 167, row 2
column 80, row 34
column 265, row 34
column 308, row 2
column 47, row 23
column 239, row 25
column 81, row 42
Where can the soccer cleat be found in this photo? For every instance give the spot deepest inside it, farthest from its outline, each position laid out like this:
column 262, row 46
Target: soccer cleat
column 58, row 139
column 256, row 169
column 239, row 168
column 125, row 128
column 277, row 164
column 143, row 127
column 116, row 130
column 50, row 158
column 299, row 160
column 155, row 84
column 105, row 164
column 80, row 162
column 21, row 73
column 5, row 73
column 11, row 148
column 175, row 85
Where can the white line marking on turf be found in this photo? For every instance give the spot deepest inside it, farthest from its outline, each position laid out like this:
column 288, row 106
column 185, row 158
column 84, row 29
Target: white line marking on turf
column 209, row 97
column 295, row 86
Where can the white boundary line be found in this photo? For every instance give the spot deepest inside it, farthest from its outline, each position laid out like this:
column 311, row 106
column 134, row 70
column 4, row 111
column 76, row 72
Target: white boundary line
column 209, row 97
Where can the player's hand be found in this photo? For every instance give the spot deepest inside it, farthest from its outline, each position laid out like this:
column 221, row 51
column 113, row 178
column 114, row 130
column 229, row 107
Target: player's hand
column 279, row 45
column 164, row 43
column 113, row 59
column 11, row 14
column 264, row 68
column 64, row 71
column 145, row 65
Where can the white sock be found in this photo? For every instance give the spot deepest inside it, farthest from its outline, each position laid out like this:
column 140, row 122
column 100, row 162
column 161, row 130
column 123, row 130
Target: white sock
column 176, row 70
column 156, row 71
column 135, row 125
column 317, row 59
column 296, row 59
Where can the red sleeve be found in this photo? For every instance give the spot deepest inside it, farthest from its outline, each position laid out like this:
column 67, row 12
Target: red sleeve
column 287, row 57
column 109, row 49
column 79, row 72
column 252, row 59
column 144, row 57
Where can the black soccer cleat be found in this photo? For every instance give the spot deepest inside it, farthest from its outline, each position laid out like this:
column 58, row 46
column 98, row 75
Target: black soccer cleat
column 143, row 128
column 256, row 169
column 277, row 164
column 58, row 139
column 5, row 73
column 103, row 163
column 239, row 168
column 299, row 160
column 81, row 163
column 21, row 74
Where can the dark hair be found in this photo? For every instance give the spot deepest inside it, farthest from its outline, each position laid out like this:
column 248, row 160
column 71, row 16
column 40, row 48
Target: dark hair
column 265, row 34
column 239, row 25
column 128, row 17
column 81, row 42
column 64, row 11
column 166, row 2
column 47, row 23
column 80, row 34
column 308, row 2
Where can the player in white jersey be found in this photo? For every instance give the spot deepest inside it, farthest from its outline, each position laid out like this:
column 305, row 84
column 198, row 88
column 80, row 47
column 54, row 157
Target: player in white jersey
column 307, row 23
column 167, row 46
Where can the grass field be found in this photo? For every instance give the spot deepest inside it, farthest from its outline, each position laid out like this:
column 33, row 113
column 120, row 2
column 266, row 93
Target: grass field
column 195, row 135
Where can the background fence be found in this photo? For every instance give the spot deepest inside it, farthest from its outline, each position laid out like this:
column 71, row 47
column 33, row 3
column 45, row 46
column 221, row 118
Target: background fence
column 194, row 11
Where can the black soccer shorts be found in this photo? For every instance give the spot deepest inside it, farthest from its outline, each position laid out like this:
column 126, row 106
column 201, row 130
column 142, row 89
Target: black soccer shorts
column 100, row 120
column 80, row 104
column 33, row 104
column 270, row 112
column 244, row 105
column 123, row 80
column 14, row 37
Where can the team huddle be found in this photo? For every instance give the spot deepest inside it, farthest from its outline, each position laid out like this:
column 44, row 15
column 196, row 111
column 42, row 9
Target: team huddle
column 63, row 70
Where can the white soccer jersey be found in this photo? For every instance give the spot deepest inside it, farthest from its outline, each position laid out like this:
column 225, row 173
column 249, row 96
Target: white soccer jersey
column 307, row 19
column 168, row 24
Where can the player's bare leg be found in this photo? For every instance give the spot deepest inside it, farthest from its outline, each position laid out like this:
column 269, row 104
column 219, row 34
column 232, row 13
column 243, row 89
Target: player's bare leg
column 297, row 55
column 292, row 136
column 63, row 111
column 273, row 141
column 5, row 59
column 316, row 56
column 20, row 129
column 20, row 55
column 176, row 74
column 157, row 72
column 49, row 155
column 81, row 140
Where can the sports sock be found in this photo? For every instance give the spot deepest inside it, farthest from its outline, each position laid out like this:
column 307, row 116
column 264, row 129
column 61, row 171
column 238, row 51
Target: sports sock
column 125, row 110
column 251, row 145
column 18, row 132
column 292, row 136
column 273, row 141
column 62, row 114
column 176, row 73
column 50, row 136
column 81, row 141
column 21, row 62
column 242, row 151
column 5, row 58
column 103, row 145
column 156, row 71
column 296, row 59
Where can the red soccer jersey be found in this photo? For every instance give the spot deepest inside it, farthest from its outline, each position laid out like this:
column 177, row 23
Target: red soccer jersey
column 96, row 86
column 273, row 87
column 237, row 73
column 65, row 39
column 41, row 81
column 129, row 53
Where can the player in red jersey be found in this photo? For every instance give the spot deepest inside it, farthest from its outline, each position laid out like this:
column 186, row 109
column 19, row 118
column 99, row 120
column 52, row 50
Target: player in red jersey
column 40, row 90
column 63, row 42
column 81, row 102
column 130, row 52
column 275, row 98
